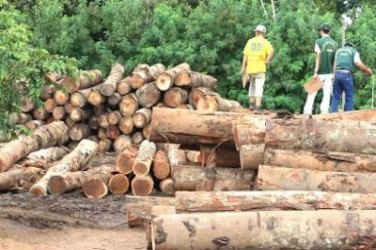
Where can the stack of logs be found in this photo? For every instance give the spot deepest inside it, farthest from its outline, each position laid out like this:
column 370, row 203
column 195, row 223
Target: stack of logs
column 319, row 170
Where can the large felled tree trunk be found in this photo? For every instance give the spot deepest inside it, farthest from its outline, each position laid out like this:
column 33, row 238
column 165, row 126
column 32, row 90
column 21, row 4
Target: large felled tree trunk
column 166, row 79
column 47, row 155
column 324, row 229
column 109, row 85
column 148, row 95
column 15, row 179
column 73, row 161
column 359, row 115
column 45, row 136
column 279, row 178
column 195, row 79
column 144, row 158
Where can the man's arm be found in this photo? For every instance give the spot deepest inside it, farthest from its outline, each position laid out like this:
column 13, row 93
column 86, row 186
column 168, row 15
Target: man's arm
column 364, row 68
column 317, row 65
column 270, row 57
column 244, row 64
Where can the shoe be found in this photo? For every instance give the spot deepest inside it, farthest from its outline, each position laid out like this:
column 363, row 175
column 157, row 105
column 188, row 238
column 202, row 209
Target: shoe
column 252, row 106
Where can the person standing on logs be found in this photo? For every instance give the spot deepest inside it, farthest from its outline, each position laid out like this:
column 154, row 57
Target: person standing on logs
column 325, row 49
column 257, row 55
column 346, row 60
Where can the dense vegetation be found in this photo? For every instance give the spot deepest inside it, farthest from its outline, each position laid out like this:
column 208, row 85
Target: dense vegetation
column 209, row 35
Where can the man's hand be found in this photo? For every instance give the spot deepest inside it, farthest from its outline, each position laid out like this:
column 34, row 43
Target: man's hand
column 316, row 76
column 242, row 71
column 369, row 72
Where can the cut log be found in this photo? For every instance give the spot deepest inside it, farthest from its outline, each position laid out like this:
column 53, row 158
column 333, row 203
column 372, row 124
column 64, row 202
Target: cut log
column 207, row 103
column 142, row 117
column 271, row 200
column 324, row 161
column 16, row 179
column 61, row 97
column 114, row 100
column 251, row 156
column 113, row 132
column 135, row 80
column 175, row 97
column 325, row 229
column 47, row 155
column 93, row 123
column 197, row 93
column 137, row 138
column 195, row 79
column 318, row 135
column 109, row 85
column 147, row 131
column 148, row 95
column 93, row 138
column 215, row 102
column 34, row 124
column 128, row 105
column 119, row 184
column 167, row 186
column 95, row 98
column 78, row 99
column 27, row 104
column 68, row 107
column 144, row 158
column 43, row 137
column 139, row 208
column 359, row 115
column 123, row 87
column 67, row 182
column 195, row 178
column 122, row 142
column 161, row 166
column 142, row 185
column 279, row 178
column 79, row 132
column 166, row 79
column 145, row 74
column 21, row 118
column 86, row 79
column 104, row 145
column 185, row 106
column 126, row 125
column 74, row 161
column 40, row 114
column 97, row 185
column 49, row 105
column 125, row 160
column 69, row 122
column 102, row 134
column 58, row 113
column 80, row 114
column 47, row 92
column 102, row 121
column 193, row 156
column 249, row 130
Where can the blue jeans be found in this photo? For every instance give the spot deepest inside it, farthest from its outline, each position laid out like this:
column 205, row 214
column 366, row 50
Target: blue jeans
column 343, row 82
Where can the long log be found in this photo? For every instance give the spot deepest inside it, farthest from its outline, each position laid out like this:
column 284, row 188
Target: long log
column 358, row 115
column 175, row 97
column 109, row 85
column 316, row 134
column 148, row 95
column 97, row 185
column 324, row 229
column 16, row 179
column 195, row 178
column 128, row 104
column 142, row 185
column 142, row 117
column 125, row 160
column 251, row 156
column 43, row 137
column 195, row 79
column 47, row 155
column 161, row 166
column 166, row 79
column 144, row 158
column 122, row 142
column 79, row 132
column 280, row 178
column 324, row 161
column 86, row 79
column 119, row 184
column 74, row 161
column 123, row 87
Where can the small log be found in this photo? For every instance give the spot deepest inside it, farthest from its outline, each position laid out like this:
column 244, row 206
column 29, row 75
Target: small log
column 70, row 123
column 74, row 161
column 34, row 124
column 123, row 87
column 214, row 102
column 125, row 160
column 61, row 97
column 58, row 113
column 102, row 121
column 207, row 104
column 78, row 99
column 47, row 155
column 195, row 80
column 197, row 93
column 146, row 131
column 93, row 123
column 279, row 178
column 144, row 158
column 119, row 184
column 113, row 132
column 109, row 85
column 193, row 156
column 167, row 186
column 49, row 105
column 126, row 125
column 18, row 178
column 166, row 79
column 128, row 105
column 113, row 117
column 68, row 107
column 251, row 156
column 102, row 134
column 80, row 114
column 86, row 79
column 148, row 95
column 40, row 114
column 81, row 97
column 142, row 117
column 95, row 98
column 104, row 145
column 137, row 138
column 175, row 97
column 99, row 109
column 195, row 178
column 122, row 142
column 27, row 104
column 145, row 74
column 114, row 100
column 97, row 185
column 47, row 92
column 161, row 166
column 176, row 157
column 93, row 138
column 79, row 132
column 142, row 185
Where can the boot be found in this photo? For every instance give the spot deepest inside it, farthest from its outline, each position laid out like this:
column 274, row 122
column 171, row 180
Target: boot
column 252, row 101
column 258, row 105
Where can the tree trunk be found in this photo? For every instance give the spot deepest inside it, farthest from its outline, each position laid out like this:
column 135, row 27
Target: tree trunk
column 175, row 97
column 271, row 200
column 137, row 138
column 195, row 80
column 109, row 85
column 58, row 113
column 142, row 117
column 324, row 161
column 79, row 132
column 114, row 100
column 197, row 93
column 148, row 95
column 43, row 137
column 279, row 178
column 193, row 156
column 126, row 125
column 47, row 155
column 74, row 161
column 195, row 178
column 147, row 131
column 251, row 156
column 249, row 131
column 122, row 142
column 167, row 186
column 40, row 114
column 318, row 135
column 119, row 184
column 15, row 179
column 81, row 114
column 166, row 79
column 104, row 145
column 67, row 182
column 125, row 160
column 142, row 185
column 161, row 165
column 144, row 158
column 139, row 208
column 34, row 124
column 27, row 104
column 97, row 185
column 128, row 105
column 123, row 87
column 61, row 97
column 325, row 229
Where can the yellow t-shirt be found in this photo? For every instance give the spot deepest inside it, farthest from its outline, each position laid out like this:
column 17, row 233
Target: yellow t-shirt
column 257, row 50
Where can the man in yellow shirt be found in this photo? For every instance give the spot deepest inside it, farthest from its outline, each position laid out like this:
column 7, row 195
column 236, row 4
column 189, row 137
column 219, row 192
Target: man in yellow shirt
column 257, row 54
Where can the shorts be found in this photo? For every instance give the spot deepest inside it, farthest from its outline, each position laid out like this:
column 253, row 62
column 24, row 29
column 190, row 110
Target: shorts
column 256, row 84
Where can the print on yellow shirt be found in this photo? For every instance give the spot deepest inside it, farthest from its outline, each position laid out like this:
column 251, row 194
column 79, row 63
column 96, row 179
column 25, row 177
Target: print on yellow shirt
column 257, row 50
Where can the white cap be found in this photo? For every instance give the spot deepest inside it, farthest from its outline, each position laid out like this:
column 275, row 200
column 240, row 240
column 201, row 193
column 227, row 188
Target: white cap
column 260, row 28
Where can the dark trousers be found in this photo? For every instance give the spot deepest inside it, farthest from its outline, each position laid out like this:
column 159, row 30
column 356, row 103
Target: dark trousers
column 343, row 82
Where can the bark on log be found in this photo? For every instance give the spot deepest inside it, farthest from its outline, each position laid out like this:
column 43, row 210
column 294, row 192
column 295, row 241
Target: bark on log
column 142, row 185
column 109, row 85
column 86, row 79
column 166, row 79
column 97, row 185
column 27, row 104
column 147, row 131
column 128, row 105
column 123, row 87
column 148, row 95
column 175, row 156
column 43, row 137
column 126, row 125
column 167, row 186
column 16, row 179
column 249, row 131
column 79, row 132
column 119, row 184
column 359, row 115
column 58, row 113
column 142, row 117
column 122, row 142
column 316, row 135
column 114, row 100
column 125, row 160
column 61, row 97
column 144, row 158
column 195, row 178
column 40, row 114
column 137, row 138
column 251, row 156
column 324, row 161
column 34, row 124
column 193, row 156
column 67, row 182
column 271, row 200
column 47, row 155
column 324, row 229
column 195, row 79
column 279, row 178
column 80, row 114
column 214, row 102
column 113, row 132
column 74, row 161
column 104, row 145
column 161, row 166
column 175, row 97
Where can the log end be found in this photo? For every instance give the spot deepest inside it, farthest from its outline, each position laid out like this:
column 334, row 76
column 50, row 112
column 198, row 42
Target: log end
column 118, row 184
column 142, row 185
column 161, row 170
column 207, row 103
column 124, row 163
column 140, row 168
column 107, row 90
column 136, row 81
column 38, row 190
column 164, row 82
column 56, row 185
column 95, row 188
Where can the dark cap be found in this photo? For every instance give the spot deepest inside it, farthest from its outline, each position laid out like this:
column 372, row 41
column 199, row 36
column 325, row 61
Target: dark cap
column 324, row 27
column 349, row 44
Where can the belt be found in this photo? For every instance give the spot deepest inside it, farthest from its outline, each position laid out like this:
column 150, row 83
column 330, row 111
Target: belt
column 343, row 71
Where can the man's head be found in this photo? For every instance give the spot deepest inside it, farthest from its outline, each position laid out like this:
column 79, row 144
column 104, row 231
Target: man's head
column 324, row 29
column 348, row 44
column 260, row 30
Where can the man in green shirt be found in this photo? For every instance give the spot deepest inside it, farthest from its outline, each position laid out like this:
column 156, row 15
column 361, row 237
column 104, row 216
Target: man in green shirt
column 346, row 61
